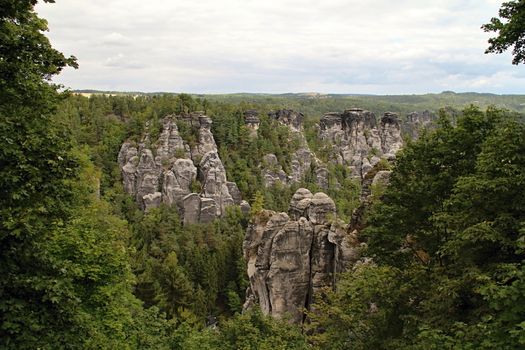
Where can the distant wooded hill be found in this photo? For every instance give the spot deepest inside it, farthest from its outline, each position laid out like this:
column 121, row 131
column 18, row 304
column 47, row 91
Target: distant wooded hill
column 313, row 105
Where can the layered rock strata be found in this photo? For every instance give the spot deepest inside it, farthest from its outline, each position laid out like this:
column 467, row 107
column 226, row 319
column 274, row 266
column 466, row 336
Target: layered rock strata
column 169, row 171
column 292, row 255
column 359, row 140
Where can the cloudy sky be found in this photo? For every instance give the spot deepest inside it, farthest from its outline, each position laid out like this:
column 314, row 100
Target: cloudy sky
column 275, row 46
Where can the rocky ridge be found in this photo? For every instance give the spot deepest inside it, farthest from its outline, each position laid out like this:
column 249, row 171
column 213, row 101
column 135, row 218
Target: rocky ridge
column 359, row 140
column 169, row 170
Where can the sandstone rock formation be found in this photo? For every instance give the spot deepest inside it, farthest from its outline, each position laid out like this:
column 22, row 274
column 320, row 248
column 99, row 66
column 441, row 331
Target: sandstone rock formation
column 272, row 171
column 359, row 140
column 214, row 182
column 303, row 159
column 252, row 121
column 170, row 174
column 417, row 121
column 291, row 256
column 290, row 118
column 206, row 141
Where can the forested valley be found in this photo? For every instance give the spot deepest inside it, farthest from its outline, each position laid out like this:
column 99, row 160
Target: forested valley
column 88, row 261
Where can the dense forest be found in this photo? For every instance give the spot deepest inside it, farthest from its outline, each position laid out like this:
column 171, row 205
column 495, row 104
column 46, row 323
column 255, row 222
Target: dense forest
column 84, row 267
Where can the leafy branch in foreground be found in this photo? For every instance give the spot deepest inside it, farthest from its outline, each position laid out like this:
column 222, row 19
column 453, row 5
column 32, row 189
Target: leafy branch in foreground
column 510, row 31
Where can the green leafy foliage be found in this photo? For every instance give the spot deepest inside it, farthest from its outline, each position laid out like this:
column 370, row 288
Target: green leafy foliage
column 362, row 313
column 423, row 178
column 242, row 153
column 510, row 31
column 195, row 269
column 66, row 278
column 69, row 284
column 447, row 238
column 249, row 331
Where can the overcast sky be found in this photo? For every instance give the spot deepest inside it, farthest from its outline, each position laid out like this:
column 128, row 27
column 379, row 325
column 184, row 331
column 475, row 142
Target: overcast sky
column 275, row 46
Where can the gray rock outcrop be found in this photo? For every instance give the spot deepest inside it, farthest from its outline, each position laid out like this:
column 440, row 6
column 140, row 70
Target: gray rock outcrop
column 418, row 121
column 214, row 182
column 170, row 144
column 245, row 207
column 152, row 200
column 272, row 171
column 359, row 140
column 290, row 118
column 291, row 256
column 192, row 208
column 175, row 170
column 252, row 121
column 321, row 177
column 178, row 180
column 234, row 192
column 206, row 141
column 303, row 160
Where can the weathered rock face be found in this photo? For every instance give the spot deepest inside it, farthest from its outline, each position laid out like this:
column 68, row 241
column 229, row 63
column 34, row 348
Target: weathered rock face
column 177, row 181
column 245, row 207
column 252, row 121
column 288, row 117
column 234, row 192
column 170, row 143
column 128, row 161
column 214, row 182
column 192, row 208
column 390, row 135
column 152, row 200
column 359, row 140
column 417, row 121
column 206, row 141
column 321, row 175
column 291, row 256
column 273, row 171
column 169, row 175
column 299, row 204
column 303, row 160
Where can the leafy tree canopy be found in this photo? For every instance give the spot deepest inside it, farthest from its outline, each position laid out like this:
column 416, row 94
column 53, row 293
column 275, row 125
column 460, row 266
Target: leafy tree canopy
column 510, row 29
column 448, row 243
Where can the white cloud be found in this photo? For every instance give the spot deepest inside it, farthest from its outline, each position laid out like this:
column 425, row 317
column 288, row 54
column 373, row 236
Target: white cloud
column 374, row 46
column 115, row 39
column 121, row 61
